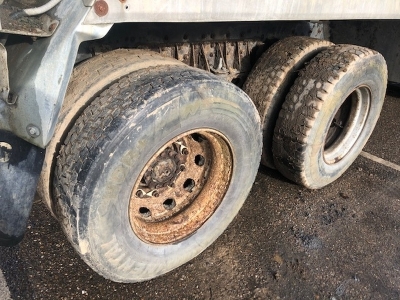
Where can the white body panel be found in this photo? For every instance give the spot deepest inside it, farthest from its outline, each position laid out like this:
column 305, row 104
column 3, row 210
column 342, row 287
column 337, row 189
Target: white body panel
column 243, row 10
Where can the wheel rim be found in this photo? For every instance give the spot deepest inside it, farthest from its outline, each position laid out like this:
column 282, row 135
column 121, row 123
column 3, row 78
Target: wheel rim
column 347, row 125
column 180, row 187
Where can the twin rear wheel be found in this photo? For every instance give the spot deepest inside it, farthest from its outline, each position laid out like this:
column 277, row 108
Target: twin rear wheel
column 319, row 109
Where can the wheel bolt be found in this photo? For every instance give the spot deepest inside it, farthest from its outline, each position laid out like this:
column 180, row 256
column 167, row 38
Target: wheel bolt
column 140, row 193
column 182, row 168
column 155, row 194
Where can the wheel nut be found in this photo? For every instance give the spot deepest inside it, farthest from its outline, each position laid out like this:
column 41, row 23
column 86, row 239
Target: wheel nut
column 140, row 193
column 182, row 168
column 155, row 194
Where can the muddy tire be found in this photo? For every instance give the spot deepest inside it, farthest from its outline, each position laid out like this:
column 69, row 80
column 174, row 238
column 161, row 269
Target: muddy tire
column 271, row 78
column 155, row 169
column 329, row 114
column 89, row 79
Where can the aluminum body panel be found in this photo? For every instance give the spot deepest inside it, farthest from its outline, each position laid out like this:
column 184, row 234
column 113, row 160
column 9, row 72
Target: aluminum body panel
column 39, row 73
column 243, row 10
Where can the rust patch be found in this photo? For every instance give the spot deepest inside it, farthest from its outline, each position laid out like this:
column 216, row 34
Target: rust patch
column 101, row 8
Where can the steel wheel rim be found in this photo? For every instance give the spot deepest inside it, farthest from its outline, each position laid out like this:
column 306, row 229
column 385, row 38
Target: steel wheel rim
column 181, row 186
column 347, row 125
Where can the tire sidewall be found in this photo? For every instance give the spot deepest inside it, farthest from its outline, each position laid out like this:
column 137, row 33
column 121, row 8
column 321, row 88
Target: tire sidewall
column 104, row 225
column 365, row 72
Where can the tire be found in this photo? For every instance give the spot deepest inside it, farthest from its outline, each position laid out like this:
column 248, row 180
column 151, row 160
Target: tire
column 155, row 169
column 329, row 114
column 89, row 79
column 271, row 78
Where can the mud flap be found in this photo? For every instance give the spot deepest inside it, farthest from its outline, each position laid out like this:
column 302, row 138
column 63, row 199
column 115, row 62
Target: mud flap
column 20, row 166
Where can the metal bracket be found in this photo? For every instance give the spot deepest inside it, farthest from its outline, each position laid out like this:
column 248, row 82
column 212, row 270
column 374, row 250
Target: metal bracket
column 4, row 81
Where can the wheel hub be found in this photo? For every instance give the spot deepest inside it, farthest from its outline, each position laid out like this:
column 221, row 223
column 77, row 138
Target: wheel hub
column 180, row 187
column 164, row 170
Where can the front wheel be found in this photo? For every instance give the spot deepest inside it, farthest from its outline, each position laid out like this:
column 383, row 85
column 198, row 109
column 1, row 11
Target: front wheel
column 155, row 169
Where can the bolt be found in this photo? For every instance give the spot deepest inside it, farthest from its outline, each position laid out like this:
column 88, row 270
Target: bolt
column 140, row 193
column 182, row 168
column 101, row 8
column 185, row 151
column 52, row 27
column 33, row 131
column 155, row 194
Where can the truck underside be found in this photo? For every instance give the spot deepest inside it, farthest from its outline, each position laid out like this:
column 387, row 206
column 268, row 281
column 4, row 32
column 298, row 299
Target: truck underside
column 125, row 116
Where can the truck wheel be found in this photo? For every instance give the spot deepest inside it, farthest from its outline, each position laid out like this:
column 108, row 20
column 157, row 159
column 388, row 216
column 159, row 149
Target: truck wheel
column 87, row 81
column 329, row 114
column 155, row 169
column 271, row 78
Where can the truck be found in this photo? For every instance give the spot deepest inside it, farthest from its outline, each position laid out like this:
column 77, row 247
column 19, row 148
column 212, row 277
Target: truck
column 142, row 124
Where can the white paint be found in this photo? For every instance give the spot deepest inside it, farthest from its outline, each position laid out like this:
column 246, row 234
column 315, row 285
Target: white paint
column 243, row 10
column 4, row 291
column 380, row 161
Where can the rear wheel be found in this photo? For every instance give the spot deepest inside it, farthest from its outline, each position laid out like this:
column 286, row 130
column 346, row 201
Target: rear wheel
column 155, row 169
column 271, row 78
column 329, row 114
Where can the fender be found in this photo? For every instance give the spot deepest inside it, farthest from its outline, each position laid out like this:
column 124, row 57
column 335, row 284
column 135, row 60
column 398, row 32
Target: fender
column 39, row 72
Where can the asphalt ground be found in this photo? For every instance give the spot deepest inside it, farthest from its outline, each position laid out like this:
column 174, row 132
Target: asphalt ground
column 287, row 242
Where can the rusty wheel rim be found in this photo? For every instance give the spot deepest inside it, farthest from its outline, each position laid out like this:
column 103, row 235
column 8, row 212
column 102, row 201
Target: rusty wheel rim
column 180, row 187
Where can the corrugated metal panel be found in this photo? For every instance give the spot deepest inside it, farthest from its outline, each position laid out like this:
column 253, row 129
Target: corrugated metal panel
column 242, row 10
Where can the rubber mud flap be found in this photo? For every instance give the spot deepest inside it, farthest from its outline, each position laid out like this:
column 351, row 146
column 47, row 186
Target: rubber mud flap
column 20, row 167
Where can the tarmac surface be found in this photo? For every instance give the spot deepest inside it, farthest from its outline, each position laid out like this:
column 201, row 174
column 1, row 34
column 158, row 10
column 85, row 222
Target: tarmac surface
column 287, row 242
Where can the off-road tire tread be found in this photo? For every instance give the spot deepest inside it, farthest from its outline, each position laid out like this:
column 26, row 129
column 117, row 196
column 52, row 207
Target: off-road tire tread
column 303, row 104
column 271, row 78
